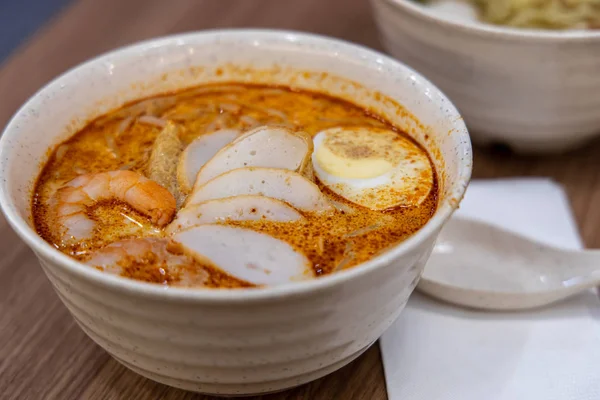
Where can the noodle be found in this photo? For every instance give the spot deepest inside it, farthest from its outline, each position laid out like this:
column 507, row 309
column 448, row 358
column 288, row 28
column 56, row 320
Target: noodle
column 61, row 151
column 542, row 14
column 151, row 120
column 124, row 125
column 112, row 145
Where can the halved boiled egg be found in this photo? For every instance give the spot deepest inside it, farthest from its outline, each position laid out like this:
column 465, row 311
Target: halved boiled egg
column 372, row 167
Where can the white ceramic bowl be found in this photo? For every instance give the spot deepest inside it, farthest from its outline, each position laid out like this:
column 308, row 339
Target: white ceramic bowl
column 537, row 91
column 235, row 341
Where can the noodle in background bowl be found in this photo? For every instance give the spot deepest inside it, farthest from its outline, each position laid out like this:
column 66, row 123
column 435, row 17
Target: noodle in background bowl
column 535, row 90
column 239, row 341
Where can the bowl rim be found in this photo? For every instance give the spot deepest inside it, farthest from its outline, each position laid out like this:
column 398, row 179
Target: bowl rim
column 496, row 31
column 149, row 290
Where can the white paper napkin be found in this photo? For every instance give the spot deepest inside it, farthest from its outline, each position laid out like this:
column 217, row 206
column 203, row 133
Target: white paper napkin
column 439, row 352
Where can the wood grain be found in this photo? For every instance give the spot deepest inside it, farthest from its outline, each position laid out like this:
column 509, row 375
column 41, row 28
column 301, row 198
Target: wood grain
column 43, row 354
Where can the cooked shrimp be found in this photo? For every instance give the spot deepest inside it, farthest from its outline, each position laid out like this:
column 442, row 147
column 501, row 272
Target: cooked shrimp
column 70, row 203
column 152, row 260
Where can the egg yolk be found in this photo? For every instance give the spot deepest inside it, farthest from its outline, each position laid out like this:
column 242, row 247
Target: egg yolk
column 359, row 153
column 352, row 168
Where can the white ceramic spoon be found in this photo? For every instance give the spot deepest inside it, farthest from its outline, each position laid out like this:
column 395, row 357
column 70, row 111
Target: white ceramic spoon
column 478, row 265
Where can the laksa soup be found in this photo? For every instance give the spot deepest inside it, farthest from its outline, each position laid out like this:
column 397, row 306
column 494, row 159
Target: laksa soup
column 230, row 186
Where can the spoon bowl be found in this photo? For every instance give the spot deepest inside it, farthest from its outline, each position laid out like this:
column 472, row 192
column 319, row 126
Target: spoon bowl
column 477, row 265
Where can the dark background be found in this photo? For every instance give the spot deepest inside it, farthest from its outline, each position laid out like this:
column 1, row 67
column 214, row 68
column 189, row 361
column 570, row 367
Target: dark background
column 19, row 19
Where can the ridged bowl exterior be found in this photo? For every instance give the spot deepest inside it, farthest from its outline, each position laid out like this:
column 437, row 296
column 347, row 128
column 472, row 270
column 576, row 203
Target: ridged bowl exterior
column 212, row 349
column 235, row 342
column 538, row 92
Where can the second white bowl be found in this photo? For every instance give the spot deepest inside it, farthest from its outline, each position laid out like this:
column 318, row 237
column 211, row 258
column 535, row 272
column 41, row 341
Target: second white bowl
column 537, row 91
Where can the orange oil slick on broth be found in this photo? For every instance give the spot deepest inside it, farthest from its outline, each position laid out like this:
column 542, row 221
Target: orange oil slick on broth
column 123, row 140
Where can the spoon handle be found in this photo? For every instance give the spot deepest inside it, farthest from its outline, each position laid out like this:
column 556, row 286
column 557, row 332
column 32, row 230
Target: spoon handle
column 582, row 267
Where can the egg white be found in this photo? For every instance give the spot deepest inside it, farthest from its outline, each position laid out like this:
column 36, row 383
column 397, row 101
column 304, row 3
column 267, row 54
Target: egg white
column 407, row 183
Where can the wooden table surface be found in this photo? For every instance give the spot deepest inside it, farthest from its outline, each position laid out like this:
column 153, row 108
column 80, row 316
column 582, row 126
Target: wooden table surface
column 43, row 354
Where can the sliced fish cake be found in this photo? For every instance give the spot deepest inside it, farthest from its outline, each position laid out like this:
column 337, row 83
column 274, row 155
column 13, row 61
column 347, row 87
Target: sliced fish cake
column 245, row 254
column 198, row 152
column 265, row 146
column 281, row 184
column 239, row 208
